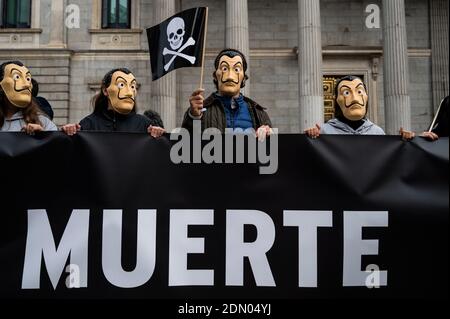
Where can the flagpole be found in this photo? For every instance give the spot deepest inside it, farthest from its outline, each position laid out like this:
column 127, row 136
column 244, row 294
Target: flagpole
column 435, row 117
column 204, row 49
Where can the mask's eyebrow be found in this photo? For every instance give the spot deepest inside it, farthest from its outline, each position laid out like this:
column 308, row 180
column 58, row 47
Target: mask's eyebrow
column 360, row 84
column 224, row 62
column 344, row 86
column 14, row 69
column 119, row 77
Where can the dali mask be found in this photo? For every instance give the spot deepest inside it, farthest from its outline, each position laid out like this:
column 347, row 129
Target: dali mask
column 230, row 75
column 352, row 99
column 17, row 85
column 122, row 92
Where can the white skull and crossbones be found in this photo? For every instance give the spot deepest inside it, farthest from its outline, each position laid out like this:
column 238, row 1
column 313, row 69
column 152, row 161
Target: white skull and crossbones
column 175, row 32
column 175, row 36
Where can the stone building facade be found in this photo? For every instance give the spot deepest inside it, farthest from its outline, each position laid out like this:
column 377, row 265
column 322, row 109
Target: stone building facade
column 296, row 49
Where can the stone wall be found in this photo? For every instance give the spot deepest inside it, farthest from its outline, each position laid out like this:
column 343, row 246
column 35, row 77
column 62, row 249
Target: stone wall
column 70, row 77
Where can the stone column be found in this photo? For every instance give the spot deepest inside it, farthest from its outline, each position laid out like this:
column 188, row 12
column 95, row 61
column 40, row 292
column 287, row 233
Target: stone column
column 373, row 101
column 396, row 75
column 439, row 50
column 236, row 31
column 163, row 90
column 57, row 34
column 310, row 83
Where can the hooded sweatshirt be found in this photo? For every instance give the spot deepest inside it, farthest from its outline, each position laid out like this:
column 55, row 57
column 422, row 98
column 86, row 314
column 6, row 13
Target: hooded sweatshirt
column 17, row 122
column 111, row 121
column 335, row 126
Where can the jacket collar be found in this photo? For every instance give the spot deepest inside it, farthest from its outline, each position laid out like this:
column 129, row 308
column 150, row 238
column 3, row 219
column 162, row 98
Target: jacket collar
column 16, row 116
column 213, row 99
column 112, row 115
column 366, row 125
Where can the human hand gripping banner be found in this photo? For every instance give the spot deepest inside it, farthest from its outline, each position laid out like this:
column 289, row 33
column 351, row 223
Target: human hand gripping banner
column 340, row 217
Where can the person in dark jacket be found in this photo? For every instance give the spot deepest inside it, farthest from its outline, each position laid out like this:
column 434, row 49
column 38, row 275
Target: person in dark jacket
column 154, row 117
column 43, row 103
column 227, row 107
column 115, row 108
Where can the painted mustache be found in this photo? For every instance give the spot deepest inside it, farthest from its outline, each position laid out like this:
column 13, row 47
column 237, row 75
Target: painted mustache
column 20, row 90
column 125, row 98
column 353, row 104
column 230, row 81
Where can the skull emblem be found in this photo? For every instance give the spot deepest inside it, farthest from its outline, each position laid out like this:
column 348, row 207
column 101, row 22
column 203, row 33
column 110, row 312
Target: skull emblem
column 175, row 32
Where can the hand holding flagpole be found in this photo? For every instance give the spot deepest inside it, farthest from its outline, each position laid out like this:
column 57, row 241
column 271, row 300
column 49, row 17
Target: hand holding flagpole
column 203, row 54
column 435, row 116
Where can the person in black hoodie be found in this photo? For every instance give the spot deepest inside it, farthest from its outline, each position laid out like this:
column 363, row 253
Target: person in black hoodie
column 115, row 108
column 154, row 117
column 43, row 103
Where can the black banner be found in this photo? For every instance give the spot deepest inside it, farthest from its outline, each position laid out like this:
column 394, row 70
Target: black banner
column 113, row 215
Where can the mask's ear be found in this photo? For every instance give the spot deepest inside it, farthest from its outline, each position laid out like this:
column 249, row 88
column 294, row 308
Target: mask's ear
column 215, row 79
column 104, row 91
column 244, row 80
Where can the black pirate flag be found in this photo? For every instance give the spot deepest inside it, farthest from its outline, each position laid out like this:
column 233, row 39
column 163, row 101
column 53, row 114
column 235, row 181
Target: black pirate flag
column 177, row 42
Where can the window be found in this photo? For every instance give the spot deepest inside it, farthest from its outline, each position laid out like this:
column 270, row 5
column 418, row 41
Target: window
column 116, row 14
column 15, row 13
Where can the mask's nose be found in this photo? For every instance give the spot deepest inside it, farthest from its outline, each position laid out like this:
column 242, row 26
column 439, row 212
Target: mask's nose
column 23, row 84
column 128, row 92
